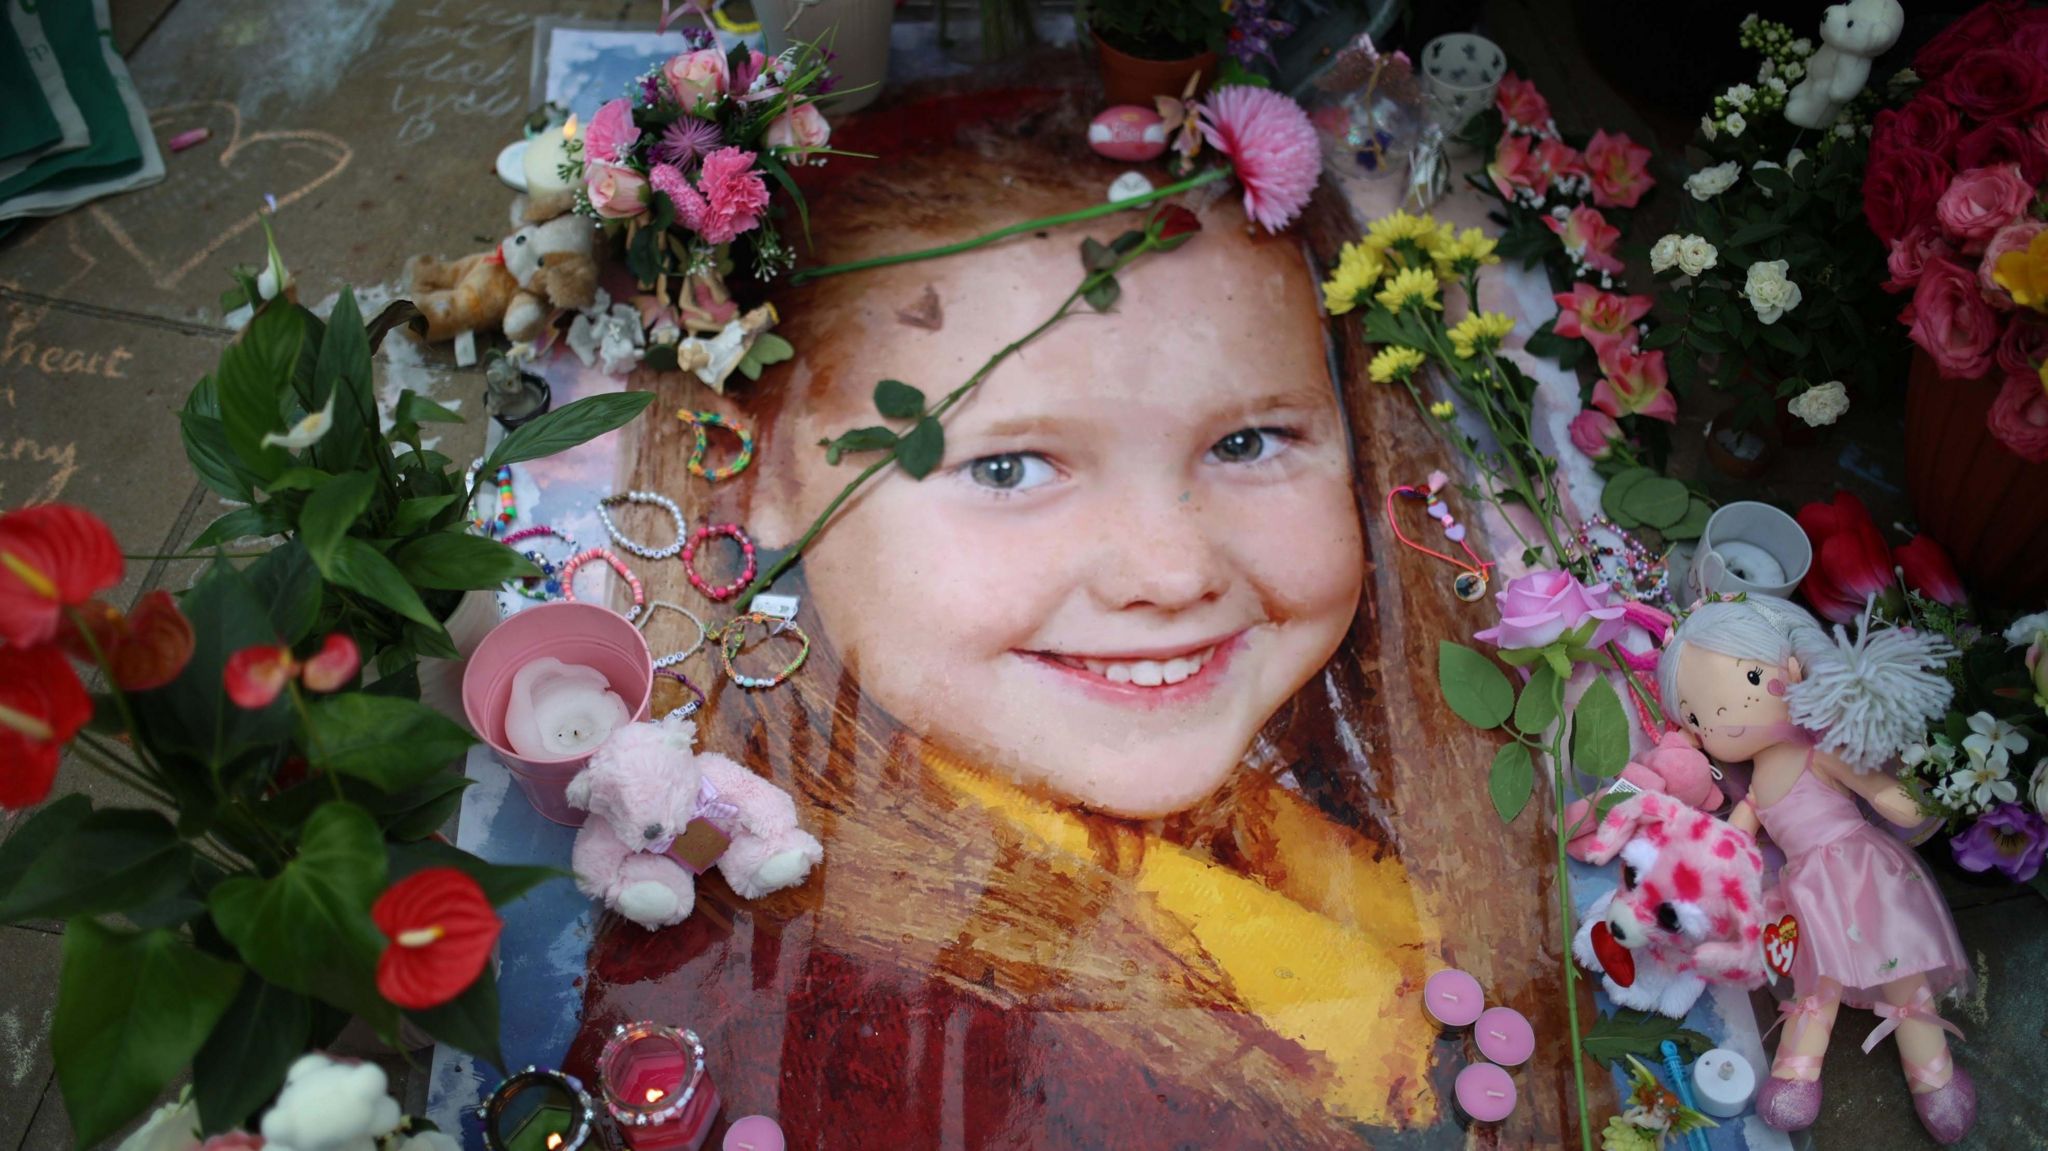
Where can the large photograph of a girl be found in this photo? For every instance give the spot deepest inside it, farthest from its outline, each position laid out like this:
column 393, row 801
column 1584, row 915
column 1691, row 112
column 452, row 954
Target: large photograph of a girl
column 1140, row 813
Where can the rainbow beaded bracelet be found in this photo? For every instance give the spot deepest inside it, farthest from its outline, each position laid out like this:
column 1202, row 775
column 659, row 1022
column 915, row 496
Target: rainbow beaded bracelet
column 699, row 421
column 733, row 636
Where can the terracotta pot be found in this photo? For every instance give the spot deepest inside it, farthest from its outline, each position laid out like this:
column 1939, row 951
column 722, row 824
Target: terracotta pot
column 1128, row 79
column 1739, row 467
column 1987, row 506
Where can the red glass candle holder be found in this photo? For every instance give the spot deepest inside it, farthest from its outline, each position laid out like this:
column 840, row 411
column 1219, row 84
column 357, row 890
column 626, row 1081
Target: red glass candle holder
column 656, row 1088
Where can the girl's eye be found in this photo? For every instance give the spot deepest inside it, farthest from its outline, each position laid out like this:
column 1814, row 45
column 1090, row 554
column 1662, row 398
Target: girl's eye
column 1693, row 718
column 1010, row 472
column 1755, row 677
column 1248, row 446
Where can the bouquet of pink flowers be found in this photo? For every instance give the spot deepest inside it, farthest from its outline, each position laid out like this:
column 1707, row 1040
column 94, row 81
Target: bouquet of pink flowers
column 1954, row 190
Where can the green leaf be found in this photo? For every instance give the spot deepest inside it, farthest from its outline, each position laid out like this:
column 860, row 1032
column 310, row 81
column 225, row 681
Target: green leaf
column 1521, row 656
column 286, row 582
column 417, row 513
column 502, row 882
column 1764, row 229
column 1663, row 336
column 457, row 561
column 1609, row 802
column 468, row 1022
column 192, row 716
column 1536, row 710
column 858, row 440
column 568, row 426
column 256, row 521
column 308, row 928
column 215, row 462
column 1511, row 781
column 1613, row 497
column 299, row 480
column 1097, row 256
column 1657, row 501
column 413, row 408
column 1694, row 522
column 421, row 811
column 243, row 1062
column 110, row 860
column 27, row 842
column 360, row 567
column 343, row 371
column 1600, row 731
column 330, row 512
column 1102, row 294
column 395, row 313
column 1785, row 338
column 897, row 400
column 1628, row 1033
column 1476, row 689
column 1559, row 662
column 252, row 383
column 921, row 448
column 395, row 744
column 132, row 1011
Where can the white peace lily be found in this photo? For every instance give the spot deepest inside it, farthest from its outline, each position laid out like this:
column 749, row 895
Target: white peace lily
column 1696, row 255
column 1821, row 404
column 1993, row 739
column 1664, row 253
column 307, row 431
column 1708, row 183
column 1769, row 291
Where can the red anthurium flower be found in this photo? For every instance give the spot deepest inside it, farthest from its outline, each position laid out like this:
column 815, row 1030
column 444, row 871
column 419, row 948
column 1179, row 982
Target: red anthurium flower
column 333, row 665
column 1851, row 561
column 255, row 675
column 144, row 649
column 42, row 705
column 1929, row 572
column 52, row 556
column 441, row 930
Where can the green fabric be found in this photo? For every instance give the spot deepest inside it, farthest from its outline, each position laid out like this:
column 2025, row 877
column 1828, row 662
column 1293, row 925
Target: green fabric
column 75, row 38
column 28, row 124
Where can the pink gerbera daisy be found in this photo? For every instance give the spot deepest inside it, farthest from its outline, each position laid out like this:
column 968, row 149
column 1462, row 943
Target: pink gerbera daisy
column 1272, row 146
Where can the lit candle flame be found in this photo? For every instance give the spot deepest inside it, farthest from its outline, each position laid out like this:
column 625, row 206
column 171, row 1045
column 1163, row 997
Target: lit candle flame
column 654, row 1094
column 554, row 1141
column 569, row 128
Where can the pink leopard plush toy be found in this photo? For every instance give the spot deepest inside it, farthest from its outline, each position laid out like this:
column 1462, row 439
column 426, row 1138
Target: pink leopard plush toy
column 1688, row 911
column 643, row 788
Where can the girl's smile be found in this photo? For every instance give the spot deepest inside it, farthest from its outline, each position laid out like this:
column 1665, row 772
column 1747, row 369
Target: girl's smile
column 1149, row 676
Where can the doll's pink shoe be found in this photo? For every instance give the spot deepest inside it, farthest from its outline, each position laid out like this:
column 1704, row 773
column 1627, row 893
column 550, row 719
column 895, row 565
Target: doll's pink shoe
column 1949, row 1111
column 1790, row 1104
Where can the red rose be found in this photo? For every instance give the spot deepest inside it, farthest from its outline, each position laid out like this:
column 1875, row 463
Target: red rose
column 2001, row 142
column 1910, row 253
column 1850, row 560
column 1924, row 124
column 1949, row 319
column 2023, row 345
column 1899, row 190
column 1990, row 24
column 1992, row 82
column 1979, row 202
column 2031, row 39
column 1928, row 571
column 2019, row 417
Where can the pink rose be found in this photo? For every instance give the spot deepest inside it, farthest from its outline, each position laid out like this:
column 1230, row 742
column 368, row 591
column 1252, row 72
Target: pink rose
column 1516, row 168
column 2002, row 142
column 1924, row 124
column 1949, row 319
column 1595, row 433
column 1635, row 383
column 1560, row 159
column 694, row 76
column 1588, row 236
column 616, row 191
column 1900, row 188
column 2023, row 346
column 1980, row 201
column 610, row 134
column 2014, row 237
column 1605, row 320
column 802, row 127
column 2019, row 417
column 1910, row 253
column 1993, row 82
column 1620, row 169
column 1520, row 104
column 1536, row 610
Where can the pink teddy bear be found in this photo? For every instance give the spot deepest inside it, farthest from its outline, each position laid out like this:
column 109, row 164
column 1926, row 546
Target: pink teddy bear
column 642, row 788
column 1674, row 767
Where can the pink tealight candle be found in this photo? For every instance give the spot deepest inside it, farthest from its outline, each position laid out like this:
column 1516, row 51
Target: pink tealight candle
column 1503, row 1035
column 1486, row 1094
column 754, row 1133
column 1453, row 998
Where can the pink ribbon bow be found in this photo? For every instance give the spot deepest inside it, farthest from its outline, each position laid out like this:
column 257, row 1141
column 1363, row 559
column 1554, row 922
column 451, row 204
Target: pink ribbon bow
column 1804, row 1010
column 1920, row 1009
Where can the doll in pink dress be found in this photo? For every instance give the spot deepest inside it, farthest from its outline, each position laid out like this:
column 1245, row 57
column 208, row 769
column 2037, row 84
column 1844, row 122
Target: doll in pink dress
column 1821, row 718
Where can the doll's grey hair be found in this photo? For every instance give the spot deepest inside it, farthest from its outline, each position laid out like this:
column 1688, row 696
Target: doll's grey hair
column 1864, row 699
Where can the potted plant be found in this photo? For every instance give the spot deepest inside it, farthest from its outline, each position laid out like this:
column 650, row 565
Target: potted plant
column 1149, row 48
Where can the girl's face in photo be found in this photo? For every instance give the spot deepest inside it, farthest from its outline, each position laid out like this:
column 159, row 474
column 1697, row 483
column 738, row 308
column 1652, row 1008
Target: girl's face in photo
column 1142, row 539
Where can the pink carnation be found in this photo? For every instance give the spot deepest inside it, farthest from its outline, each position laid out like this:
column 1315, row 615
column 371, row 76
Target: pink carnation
column 1272, row 146
column 2019, row 418
column 1980, row 201
column 611, row 133
column 1587, row 235
column 668, row 179
column 728, row 200
column 1620, row 169
column 1520, row 104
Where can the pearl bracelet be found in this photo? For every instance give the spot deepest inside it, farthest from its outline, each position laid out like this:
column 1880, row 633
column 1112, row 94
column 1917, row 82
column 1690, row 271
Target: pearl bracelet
column 655, row 499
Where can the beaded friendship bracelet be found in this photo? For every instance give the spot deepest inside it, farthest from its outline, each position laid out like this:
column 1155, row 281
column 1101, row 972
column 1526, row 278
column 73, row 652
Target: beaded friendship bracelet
column 676, row 657
column 576, row 562
column 722, row 592
column 733, row 636
column 699, row 421
column 654, row 499
column 508, row 508
column 549, row 585
column 694, row 706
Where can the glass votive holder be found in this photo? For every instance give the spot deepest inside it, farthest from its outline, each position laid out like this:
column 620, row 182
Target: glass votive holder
column 656, row 1088
column 540, row 1110
column 1461, row 71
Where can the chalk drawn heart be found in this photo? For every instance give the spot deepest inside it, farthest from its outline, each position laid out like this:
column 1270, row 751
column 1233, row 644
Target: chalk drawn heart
column 1781, row 945
column 289, row 164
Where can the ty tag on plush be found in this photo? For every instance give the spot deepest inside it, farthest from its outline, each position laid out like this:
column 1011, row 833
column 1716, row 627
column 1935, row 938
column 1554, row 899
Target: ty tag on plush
column 699, row 846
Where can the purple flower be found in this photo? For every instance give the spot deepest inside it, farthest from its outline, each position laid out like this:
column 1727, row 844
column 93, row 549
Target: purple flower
column 650, row 89
column 697, row 36
column 687, row 140
column 1252, row 32
column 1539, row 608
column 2009, row 838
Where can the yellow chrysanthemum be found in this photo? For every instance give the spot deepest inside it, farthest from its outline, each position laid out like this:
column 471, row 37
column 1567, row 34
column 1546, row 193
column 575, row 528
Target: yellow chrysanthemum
column 2025, row 274
column 1396, row 226
column 1471, row 250
column 1394, row 362
column 1479, row 332
column 1443, row 410
column 1408, row 287
column 1358, row 270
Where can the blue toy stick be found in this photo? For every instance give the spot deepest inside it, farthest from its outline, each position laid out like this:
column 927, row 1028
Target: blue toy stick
column 1696, row 1139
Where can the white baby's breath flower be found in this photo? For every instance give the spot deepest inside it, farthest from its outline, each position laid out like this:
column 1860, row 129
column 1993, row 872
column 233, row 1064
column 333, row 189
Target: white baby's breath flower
column 1821, row 404
column 1664, row 253
column 1735, row 123
column 1708, row 183
column 1769, row 291
column 1845, row 131
column 2027, row 629
column 1696, row 255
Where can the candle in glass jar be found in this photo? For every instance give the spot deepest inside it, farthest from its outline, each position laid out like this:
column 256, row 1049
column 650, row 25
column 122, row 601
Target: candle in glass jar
column 538, row 1110
column 1485, row 1094
column 656, row 1088
column 1503, row 1036
column 561, row 710
column 1453, row 998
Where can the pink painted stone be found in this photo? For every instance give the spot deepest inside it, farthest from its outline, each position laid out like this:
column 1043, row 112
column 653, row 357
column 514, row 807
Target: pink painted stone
column 1128, row 132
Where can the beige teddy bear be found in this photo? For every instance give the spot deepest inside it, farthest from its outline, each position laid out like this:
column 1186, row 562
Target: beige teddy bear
column 1852, row 35
column 543, row 266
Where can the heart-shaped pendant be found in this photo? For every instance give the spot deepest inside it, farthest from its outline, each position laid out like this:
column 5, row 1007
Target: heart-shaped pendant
column 1436, row 481
column 1437, row 510
column 1455, row 533
column 1781, row 945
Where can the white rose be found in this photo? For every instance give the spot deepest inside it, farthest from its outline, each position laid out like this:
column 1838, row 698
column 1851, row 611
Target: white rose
column 1735, row 123
column 1696, row 255
column 2037, row 788
column 1707, row 183
column 1821, row 404
column 1664, row 253
column 1707, row 128
column 1769, row 292
column 2027, row 629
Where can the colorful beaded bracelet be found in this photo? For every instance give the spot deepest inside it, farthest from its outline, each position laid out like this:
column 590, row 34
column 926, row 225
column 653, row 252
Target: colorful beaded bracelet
column 724, row 591
column 576, row 562
column 655, row 499
column 698, row 421
column 694, row 706
column 508, row 508
column 676, row 657
column 549, row 584
column 733, row 636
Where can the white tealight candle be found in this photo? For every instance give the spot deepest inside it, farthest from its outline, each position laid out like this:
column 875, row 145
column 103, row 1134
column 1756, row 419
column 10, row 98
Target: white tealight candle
column 1723, row 1083
column 561, row 710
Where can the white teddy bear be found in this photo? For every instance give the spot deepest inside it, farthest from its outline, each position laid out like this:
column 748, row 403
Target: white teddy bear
column 1852, row 35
